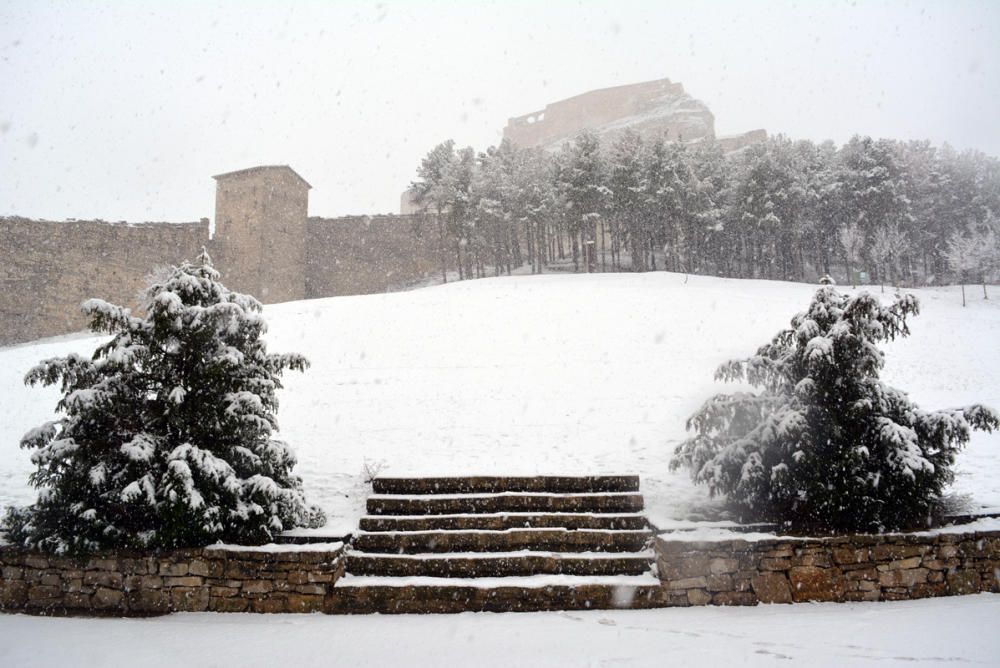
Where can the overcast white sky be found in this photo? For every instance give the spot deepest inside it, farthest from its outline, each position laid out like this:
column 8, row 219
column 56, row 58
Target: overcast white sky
column 124, row 110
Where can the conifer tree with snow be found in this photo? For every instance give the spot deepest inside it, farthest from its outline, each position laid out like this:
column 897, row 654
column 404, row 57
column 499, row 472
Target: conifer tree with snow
column 825, row 444
column 165, row 435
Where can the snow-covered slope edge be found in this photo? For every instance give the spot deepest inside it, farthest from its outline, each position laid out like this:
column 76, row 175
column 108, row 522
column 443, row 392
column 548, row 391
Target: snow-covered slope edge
column 547, row 374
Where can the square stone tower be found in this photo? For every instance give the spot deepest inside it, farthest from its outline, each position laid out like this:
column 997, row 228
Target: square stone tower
column 260, row 231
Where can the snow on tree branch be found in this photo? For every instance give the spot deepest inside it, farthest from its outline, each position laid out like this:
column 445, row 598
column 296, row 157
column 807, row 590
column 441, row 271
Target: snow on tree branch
column 825, row 444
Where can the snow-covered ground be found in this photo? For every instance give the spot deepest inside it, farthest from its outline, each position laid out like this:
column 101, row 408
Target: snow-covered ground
column 542, row 374
column 935, row 631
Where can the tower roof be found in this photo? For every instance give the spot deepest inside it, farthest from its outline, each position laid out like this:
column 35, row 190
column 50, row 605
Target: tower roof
column 261, row 168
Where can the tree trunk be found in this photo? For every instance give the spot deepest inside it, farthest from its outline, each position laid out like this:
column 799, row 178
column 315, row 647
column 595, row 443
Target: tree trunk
column 604, row 264
column 591, row 247
column 514, row 244
column 576, row 253
column 441, row 245
column 530, row 242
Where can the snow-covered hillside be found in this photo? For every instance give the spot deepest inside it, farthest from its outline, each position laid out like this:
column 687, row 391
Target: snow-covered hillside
column 544, row 374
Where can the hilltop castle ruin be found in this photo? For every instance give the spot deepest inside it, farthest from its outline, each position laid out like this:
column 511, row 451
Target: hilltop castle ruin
column 266, row 244
column 651, row 108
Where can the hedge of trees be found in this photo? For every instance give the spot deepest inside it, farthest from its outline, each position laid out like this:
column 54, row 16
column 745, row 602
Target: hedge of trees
column 905, row 212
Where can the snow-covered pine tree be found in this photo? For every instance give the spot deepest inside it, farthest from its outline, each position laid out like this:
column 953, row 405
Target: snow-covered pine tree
column 825, row 444
column 166, row 434
column 626, row 181
column 431, row 191
column 587, row 196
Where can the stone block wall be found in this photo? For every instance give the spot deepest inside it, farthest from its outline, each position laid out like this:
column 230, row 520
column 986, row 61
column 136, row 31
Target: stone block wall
column 301, row 578
column 850, row 568
column 357, row 255
column 123, row 584
column 264, row 244
column 48, row 268
column 260, row 235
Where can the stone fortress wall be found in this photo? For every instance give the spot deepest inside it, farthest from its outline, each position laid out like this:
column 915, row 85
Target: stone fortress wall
column 264, row 244
column 260, row 232
column 368, row 254
column 48, row 268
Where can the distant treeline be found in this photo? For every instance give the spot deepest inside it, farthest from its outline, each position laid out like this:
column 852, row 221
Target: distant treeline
column 905, row 212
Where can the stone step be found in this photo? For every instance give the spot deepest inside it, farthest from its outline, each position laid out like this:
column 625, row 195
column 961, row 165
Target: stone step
column 310, row 539
column 557, row 540
column 522, row 502
column 364, row 594
column 504, row 564
column 495, row 484
column 484, row 543
column 499, row 521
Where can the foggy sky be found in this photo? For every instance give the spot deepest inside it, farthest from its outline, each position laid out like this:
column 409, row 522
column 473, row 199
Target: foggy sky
column 124, row 111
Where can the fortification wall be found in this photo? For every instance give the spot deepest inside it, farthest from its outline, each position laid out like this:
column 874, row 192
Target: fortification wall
column 48, row 268
column 358, row 255
column 260, row 218
column 264, row 245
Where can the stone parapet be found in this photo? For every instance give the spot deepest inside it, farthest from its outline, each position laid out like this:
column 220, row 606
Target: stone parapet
column 885, row 567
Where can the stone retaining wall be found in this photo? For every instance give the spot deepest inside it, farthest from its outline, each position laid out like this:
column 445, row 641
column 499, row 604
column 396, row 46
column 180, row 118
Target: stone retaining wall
column 300, row 578
column 853, row 568
column 222, row 580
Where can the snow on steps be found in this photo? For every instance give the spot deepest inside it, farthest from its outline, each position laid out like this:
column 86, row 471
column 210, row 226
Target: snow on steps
column 361, row 594
column 447, row 504
column 499, row 521
column 499, row 564
column 495, row 484
column 500, row 544
column 569, row 540
column 526, row 582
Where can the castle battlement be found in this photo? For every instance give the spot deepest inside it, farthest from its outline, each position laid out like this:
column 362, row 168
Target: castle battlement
column 265, row 243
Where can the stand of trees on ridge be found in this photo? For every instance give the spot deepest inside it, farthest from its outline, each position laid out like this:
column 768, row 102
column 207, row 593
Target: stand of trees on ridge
column 906, row 213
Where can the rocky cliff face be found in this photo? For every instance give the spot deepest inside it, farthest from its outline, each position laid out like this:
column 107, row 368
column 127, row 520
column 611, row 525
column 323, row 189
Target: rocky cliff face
column 650, row 108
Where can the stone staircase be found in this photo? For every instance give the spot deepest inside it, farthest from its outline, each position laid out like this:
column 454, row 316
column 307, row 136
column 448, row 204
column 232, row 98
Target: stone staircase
column 500, row 544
